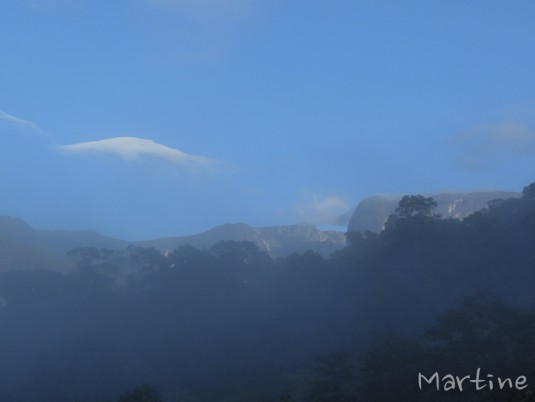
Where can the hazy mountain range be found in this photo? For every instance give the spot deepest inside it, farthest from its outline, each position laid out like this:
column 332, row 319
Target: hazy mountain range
column 275, row 240
column 22, row 246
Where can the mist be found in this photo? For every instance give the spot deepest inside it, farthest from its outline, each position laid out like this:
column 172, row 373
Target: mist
column 252, row 201
column 231, row 322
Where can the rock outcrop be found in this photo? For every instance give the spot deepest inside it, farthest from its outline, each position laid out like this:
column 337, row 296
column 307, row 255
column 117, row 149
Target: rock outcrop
column 275, row 240
column 372, row 212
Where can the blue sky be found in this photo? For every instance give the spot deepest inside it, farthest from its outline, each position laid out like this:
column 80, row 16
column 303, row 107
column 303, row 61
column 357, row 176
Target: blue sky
column 149, row 118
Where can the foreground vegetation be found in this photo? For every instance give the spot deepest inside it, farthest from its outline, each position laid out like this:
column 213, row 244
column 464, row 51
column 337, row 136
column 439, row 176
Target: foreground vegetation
column 232, row 324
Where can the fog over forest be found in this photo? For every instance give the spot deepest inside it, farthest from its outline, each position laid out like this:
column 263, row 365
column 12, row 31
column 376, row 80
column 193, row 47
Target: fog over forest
column 230, row 323
column 267, row 201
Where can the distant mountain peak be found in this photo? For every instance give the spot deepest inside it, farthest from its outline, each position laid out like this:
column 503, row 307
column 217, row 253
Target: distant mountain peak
column 13, row 225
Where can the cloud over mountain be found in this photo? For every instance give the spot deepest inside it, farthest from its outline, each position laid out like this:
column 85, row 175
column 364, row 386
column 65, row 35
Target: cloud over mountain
column 329, row 210
column 131, row 148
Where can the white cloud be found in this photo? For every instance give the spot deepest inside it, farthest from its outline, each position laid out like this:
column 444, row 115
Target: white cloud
column 20, row 123
column 489, row 144
column 130, row 148
column 330, row 210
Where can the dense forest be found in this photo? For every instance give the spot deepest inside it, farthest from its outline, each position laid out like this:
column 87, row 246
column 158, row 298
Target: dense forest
column 232, row 324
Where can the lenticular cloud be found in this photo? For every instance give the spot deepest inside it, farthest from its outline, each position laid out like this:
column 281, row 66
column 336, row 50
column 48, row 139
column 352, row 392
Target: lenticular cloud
column 130, row 148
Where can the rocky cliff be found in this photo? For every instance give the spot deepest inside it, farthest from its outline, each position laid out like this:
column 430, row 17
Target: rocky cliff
column 275, row 240
column 372, row 212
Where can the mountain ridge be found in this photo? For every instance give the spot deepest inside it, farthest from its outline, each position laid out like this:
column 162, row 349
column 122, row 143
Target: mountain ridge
column 24, row 247
column 275, row 240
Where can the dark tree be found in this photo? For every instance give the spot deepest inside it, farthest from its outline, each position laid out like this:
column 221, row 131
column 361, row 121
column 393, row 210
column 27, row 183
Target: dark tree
column 334, row 381
column 411, row 206
column 143, row 393
column 528, row 193
column 482, row 332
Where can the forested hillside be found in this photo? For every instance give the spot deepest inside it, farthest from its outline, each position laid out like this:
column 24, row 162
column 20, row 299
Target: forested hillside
column 230, row 323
